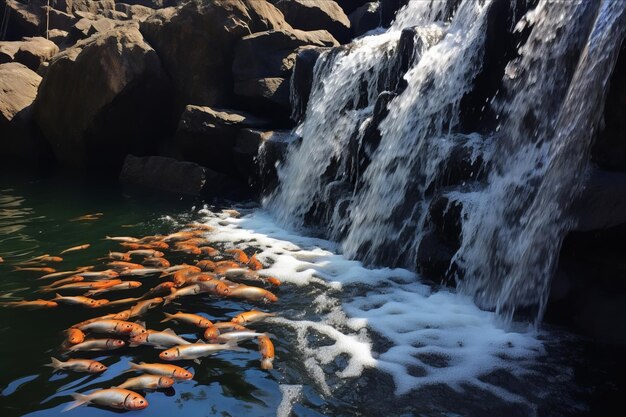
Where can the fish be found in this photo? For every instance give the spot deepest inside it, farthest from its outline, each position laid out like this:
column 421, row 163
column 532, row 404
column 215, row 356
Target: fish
column 34, row 269
column 122, row 315
column 151, row 245
column 273, row 280
column 195, row 241
column 63, row 274
column 185, row 291
column 78, row 300
column 228, row 326
column 164, row 339
column 244, row 275
column 138, row 328
column 195, row 351
column 124, row 285
column 209, row 251
column 254, row 263
column 200, row 226
column 238, row 336
column 116, row 327
column 42, row 260
column 211, row 332
column 188, row 249
column 124, row 265
column 184, row 275
column 253, row 294
column 206, row 265
column 226, row 264
column 180, row 236
column 112, row 397
column 239, row 255
column 148, row 253
column 126, row 239
column 231, row 213
column 141, row 272
column 109, row 273
column 92, row 345
column 147, row 382
column 188, row 318
column 119, row 256
column 66, row 281
column 266, row 348
column 143, row 306
column 156, row 262
column 76, row 248
column 124, row 301
column 77, row 365
column 173, row 269
column 84, row 285
column 162, row 288
column 74, row 336
column 172, row 371
column 215, row 287
column 1, row 259
column 94, row 216
column 251, row 316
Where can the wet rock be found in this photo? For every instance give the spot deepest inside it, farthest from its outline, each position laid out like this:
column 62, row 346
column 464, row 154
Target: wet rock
column 315, row 15
column 302, row 80
column 197, row 41
column 365, row 18
column 208, row 136
column 33, row 51
column 20, row 140
column 433, row 258
column 103, row 98
column 166, row 174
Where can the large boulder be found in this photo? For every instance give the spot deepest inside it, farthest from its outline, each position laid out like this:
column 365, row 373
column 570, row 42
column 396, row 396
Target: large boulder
column 34, row 51
column 196, row 43
column 208, row 136
column 135, row 11
column 24, row 19
column 103, row 98
column 20, row 140
column 315, row 15
column 61, row 20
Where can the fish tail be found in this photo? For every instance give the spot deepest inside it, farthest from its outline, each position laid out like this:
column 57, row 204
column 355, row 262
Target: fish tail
column 232, row 345
column 56, row 364
column 132, row 365
column 266, row 363
column 79, row 399
column 168, row 316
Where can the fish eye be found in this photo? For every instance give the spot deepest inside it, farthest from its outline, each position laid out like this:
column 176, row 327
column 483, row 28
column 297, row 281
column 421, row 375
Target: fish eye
column 141, row 402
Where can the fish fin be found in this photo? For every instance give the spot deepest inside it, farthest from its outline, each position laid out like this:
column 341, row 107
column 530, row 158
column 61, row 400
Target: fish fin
column 232, row 345
column 57, row 295
column 56, row 364
column 197, row 361
column 169, row 331
column 79, row 399
column 200, row 341
column 133, row 366
column 141, row 323
column 168, row 316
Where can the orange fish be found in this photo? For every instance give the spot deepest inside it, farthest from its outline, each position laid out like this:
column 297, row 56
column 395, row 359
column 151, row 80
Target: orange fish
column 42, row 269
column 206, row 265
column 66, row 281
column 215, row 287
column 76, row 248
column 97, row 345
column 254, row 263
column 253, row 294
column 188, row 249
column 251, row 316
column 209, row 251
column 147, row 382
column 229, row 326
column 211, row 333
column 200, row 226
column 156, row 262
column 266, row 348
column 172, row 371
column 94, row 216
column 124, row 265
column 239, row 255
column 162, row 288
column 79, row 300
column 30, row 304
column 111, row 397
column 119, row 256
column 75, row 336
column 78, row 365
column 188, row 318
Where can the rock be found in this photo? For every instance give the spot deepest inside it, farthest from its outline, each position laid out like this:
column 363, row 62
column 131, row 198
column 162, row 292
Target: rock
column 349, row 6
column 91, row 6
column 87, row 27
column 135, row 11
column 58, row 36
column 314, row 15
column 266, row 16
column 33, row 51
column 303, row 80
column 196, row 43
column 115, row 15
column 20, row 140
column 8, row 49
column 264, row 92
column 103, row 98
column 208, row 136
column 166, row 174
column 60, row 20
column 365, row 18
column 24, row 19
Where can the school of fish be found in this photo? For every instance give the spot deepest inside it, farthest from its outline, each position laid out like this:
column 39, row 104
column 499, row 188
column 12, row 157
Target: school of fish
column 142, row 263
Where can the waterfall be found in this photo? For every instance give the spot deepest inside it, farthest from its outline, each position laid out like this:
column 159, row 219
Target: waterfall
column 382, row 128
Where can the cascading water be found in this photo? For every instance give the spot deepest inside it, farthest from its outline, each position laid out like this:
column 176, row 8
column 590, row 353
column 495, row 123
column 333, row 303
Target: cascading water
column 373, row 195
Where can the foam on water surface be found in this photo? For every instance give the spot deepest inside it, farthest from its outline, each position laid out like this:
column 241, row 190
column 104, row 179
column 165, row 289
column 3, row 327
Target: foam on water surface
column 352, row 318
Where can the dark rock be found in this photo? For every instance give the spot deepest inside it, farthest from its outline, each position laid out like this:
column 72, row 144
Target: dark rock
column 433, row 258
column 135, row 11
column 602, row 203
column 264, row 92
column 315, row 15
column 265, row 16
column 20, row 141
column 58, row 36
column 23, row 19
column 389, row 8
column 272, row 152
column 208, row 136
column 365, row 18
column 8, row 49
column 302, row 80
column 60, row 20
column 103, row 98
column 166, row 174
column 87, row 27
column 349, row 6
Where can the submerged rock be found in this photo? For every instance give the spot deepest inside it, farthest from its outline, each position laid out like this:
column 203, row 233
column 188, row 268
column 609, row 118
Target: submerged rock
column 103, row 98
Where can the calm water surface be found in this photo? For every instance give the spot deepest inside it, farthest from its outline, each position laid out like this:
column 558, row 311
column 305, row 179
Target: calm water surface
column 575, row 378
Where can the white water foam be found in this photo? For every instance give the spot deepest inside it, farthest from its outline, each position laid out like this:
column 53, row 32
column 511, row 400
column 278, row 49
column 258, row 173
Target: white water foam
column 437, row 337
column 291, row 394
